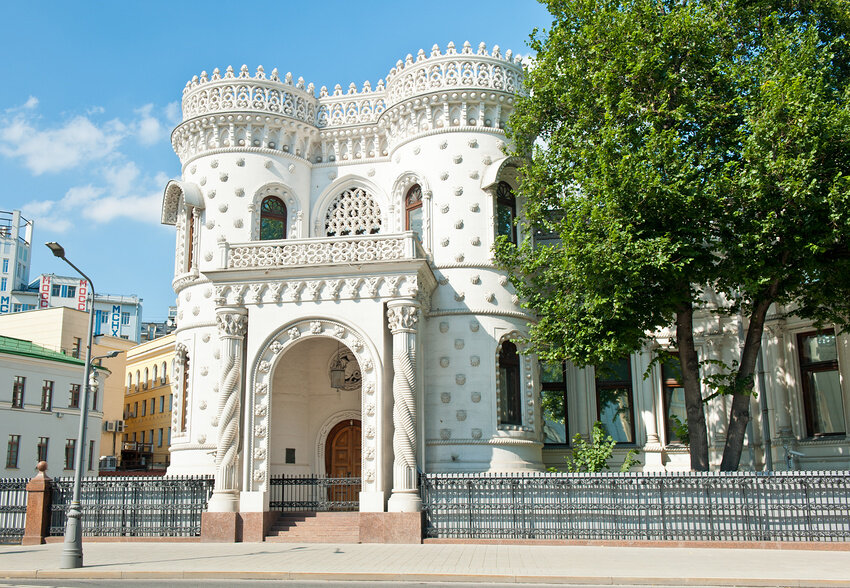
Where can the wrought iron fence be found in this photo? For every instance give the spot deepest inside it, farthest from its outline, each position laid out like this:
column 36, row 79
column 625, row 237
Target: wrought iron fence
column 134, row 507
column 313, row 493
column 711, row 506
column 13, row 509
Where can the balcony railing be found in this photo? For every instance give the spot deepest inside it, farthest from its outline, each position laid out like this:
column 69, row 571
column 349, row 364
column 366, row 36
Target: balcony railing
column 320, row 251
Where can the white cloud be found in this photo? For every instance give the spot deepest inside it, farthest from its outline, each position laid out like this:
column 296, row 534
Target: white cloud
column 61, row 148
column 173, row 113
column 148, row 128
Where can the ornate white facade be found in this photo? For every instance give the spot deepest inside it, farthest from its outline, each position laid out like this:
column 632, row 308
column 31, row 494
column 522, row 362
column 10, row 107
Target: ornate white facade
column 423, row 314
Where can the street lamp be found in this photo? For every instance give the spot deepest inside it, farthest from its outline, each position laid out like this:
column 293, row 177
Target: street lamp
column 72, row 552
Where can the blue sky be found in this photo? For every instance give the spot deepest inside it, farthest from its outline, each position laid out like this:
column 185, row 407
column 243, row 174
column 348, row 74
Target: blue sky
column 92, row 91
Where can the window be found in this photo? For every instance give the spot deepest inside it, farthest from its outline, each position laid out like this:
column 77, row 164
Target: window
column 70, row 449
column 554, row 391
column 153, row 405
column 55, row 290
column 125, row 318
column 153, row 381
column 18, row 392
column 127, row 411
column 47, row 396
column 413, row 210
column 150, row 439
column 190, row 245
column 6, row 266
column 272, row 219
column 162, row 403
column 159, row 438
column 12, row 451
column 3, row 284
column 129, row 382
column 510, row 407
column 505, row 211
column 91, row 454
column 144, row 407
column 354, row 212
column 145, row 381
column 822, row 398
column 74, row 399
column 42, row 448
column 164, row 373
column 68, row 291
column 170, row 402
column 674, row 397
column 75, row 349
column 135, row 409
column 17, row 307
column 138, row 379
column 614, row 400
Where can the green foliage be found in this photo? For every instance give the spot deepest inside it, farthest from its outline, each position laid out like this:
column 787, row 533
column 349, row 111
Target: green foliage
column 593, row 457
column 680, row 429
column 681, row 149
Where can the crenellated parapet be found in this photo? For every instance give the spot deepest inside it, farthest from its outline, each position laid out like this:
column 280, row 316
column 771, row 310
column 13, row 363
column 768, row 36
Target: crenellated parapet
column 445, row 90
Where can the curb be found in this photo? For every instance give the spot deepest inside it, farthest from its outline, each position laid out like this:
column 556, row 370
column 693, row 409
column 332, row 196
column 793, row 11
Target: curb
column 83, row 573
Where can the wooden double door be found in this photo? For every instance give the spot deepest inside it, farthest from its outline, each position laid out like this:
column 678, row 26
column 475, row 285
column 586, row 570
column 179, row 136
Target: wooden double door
column 342, row 460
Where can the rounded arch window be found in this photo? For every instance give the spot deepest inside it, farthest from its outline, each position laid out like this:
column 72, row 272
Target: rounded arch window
column 353, row 212
column 272, row 219
column 413, row 210
column 506, row 211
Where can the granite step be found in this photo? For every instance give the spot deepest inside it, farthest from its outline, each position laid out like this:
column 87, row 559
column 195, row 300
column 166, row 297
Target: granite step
column 316, row 527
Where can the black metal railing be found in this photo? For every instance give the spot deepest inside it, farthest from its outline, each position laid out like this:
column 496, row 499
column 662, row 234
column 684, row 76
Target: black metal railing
column 13, row 509
column 313, row 493
column 734, row 506
column 134, row 507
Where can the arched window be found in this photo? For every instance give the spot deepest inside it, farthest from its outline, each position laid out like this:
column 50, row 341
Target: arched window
column 190, row 244
column 138, row 379
column 510, row 407
column 353, row 212
column 164, row 375
column 145, row 383
column 272, row 219
column 153, row 380
column 413, row 210
column 505, row 211
column 129, row 382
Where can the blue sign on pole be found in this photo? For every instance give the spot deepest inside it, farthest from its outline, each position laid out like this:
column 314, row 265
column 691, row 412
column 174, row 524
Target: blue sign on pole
column 116, row 320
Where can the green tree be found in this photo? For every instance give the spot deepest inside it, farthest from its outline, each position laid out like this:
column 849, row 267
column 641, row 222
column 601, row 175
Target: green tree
column 593, row 457
column 682, row 148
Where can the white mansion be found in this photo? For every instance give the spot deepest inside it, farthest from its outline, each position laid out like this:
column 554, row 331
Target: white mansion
column 339, row 312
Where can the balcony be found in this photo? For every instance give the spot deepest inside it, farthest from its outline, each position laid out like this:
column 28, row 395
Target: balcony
column 326, row 251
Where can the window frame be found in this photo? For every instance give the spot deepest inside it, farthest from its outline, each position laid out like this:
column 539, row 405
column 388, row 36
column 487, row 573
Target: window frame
column 670, row 438
column 617, row 385
column 274, row 216
column 505, row 197
column 18, row 391
column 512, row 376
column 556, row 387
column 70, row 453
column 815, row 367
column 411, row 207
column 41, row 448
column 47, row 396
column 13, row 450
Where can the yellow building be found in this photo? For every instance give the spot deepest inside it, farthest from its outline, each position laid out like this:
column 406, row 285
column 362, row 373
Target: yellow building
column 65, row 330
column 147, row 405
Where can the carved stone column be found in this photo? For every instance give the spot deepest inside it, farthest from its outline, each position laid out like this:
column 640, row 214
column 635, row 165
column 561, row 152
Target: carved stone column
column 402, row 316
column 232, row 326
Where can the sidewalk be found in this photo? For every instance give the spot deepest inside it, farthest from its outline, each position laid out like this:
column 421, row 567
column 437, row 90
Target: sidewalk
column 652, row 566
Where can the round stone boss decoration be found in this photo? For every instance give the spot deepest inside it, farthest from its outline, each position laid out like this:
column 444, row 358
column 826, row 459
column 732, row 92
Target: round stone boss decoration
column 262, row 372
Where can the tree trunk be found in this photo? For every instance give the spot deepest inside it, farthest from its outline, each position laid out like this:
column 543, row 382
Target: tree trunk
column 743, row 385
column 697, row 430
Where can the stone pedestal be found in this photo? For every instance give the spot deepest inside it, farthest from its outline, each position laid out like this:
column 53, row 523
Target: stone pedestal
column 391, row 527
column 38, row 507
column 220, row 527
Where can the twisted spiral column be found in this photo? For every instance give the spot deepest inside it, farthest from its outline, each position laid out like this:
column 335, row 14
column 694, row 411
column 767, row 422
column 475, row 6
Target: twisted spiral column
column 232, row 326
column 402, row 317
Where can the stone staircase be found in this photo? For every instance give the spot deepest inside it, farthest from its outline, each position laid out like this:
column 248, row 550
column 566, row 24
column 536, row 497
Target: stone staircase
column 316, row 527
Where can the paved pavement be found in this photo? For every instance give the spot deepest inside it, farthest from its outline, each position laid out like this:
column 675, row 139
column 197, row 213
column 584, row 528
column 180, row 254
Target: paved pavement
column 474, row 563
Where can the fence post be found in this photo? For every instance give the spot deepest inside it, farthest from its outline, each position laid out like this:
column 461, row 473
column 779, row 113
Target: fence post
column 38, row 507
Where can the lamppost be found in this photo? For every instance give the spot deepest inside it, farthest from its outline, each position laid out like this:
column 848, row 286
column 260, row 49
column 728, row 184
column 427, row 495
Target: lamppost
column 72, row 552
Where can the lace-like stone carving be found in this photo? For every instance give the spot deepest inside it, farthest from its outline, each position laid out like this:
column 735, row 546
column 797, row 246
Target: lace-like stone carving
column 315, row 252
column 354, row 212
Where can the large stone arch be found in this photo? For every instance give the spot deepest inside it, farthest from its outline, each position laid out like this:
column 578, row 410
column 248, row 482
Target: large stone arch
column 257, row 409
